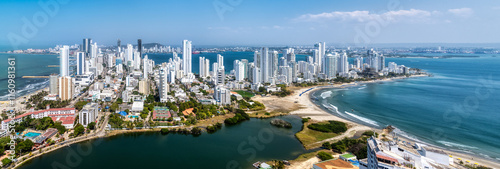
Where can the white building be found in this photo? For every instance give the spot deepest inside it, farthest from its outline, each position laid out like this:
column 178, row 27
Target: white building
column 64, row 59
column 88, row 114
column 239, row 71
column 186, row 56
column 163, row 86
column 330, row 66
column 222, row 96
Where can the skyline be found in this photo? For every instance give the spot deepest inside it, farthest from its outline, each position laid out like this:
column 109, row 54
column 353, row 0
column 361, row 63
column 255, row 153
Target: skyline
column 221, row 23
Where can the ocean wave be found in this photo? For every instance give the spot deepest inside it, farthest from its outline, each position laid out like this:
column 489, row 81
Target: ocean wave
column 326, row 94
column 30, row 88
column 361, row 88
column 366, row 120
column 450, row 144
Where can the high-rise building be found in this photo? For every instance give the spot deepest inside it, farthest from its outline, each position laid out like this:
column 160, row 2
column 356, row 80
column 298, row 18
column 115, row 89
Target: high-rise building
column 245, row 68
column 144, row 87
column 111, row 59
column 80, row 63
column 204, row 67
column 65, row 88
column 88, row 114
column 64, row 59
column 53, row 84
column 222, row 95
column 163, row 87
column 139, row 46
column 119, row 46
column 129, row 55
column 330, row 66
column 220, row 60
column 239, row 71
column 221, row 76
column 265, row 65
column 186, row 56
column 343, row 64
column 86, row 46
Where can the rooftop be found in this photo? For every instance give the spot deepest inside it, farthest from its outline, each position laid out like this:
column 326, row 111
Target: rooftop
column 335, row 164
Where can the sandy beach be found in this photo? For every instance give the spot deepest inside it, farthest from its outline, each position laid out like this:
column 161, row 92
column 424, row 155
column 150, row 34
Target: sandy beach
column 307, row 109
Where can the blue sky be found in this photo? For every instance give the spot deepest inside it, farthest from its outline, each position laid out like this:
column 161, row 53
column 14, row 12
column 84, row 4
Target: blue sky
column 252, row 22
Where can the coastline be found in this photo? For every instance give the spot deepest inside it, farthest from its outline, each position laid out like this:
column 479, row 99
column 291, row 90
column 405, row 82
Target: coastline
column 302, row 107
column 302, row 96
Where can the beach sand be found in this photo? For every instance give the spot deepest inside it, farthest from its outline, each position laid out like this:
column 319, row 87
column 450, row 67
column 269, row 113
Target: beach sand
column 308, row 109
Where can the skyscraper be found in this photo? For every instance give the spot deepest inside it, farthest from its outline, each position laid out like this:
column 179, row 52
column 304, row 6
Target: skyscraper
column 119, row 46
column 163, row 86
column 330, row 66
column 204, row 67
column 239, row 70
column 65, row 88
column 139, row 46
column 64, row 59
column 186, row 56
column 220, row 60
column 80, row 63
column 86, row 46
column 53, row 84
column 265, row 64
column 343, row 64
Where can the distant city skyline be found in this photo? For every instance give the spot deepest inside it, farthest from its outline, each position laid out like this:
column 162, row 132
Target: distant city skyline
column 251, row 23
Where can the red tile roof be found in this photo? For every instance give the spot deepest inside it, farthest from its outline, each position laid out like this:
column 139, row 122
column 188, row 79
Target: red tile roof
column 37, row 112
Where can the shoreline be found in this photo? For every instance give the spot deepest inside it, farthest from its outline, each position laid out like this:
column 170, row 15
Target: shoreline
column 303, row 96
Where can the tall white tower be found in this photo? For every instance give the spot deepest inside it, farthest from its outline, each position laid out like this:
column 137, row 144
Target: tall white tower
column 64, row 59
column 186, row 56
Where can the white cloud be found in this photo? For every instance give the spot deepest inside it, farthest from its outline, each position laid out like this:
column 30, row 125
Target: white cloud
column 366, row 16
column 462, row 12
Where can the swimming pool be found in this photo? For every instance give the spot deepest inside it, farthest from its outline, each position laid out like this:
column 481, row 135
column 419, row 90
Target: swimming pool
column 355, row 163
column 133, row 116
column 32, row 134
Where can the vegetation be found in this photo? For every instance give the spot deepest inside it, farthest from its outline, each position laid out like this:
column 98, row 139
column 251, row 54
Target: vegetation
column 37, row 124
column 60, row 127
column 239, row 117
column 370, row 133
column 214, row 128
column 244, row 93
column 281, row 123
column 256, row 106
column 115, row 120
column 305, row 120
column 3, row 145
column 324, row 156
column 24, row 146
column 331, row 127
column 79, row 105
column 91, row 126
column 283, row 92
column 79, row 130
column 355, row 146
column 6, row 162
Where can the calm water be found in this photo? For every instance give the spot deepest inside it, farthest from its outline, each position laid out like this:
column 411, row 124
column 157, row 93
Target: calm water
column 153, row 150
column 454, row 109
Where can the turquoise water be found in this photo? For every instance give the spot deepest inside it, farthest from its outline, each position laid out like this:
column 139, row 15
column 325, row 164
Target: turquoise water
column 230, row 146
column 457, row 108
column 27, row 65
column 32, row 134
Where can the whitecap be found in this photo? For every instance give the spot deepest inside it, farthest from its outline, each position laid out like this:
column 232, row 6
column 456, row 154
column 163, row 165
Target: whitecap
column 366, row 120
column 451, row 144
column 326, row 94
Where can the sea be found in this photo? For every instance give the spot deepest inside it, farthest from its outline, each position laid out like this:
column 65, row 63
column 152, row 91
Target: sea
column 458, row 108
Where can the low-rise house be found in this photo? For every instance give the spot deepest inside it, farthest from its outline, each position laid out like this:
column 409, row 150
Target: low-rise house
column 48, row 112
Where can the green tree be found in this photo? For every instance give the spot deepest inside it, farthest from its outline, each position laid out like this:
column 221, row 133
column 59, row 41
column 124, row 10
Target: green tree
column 24, row 146
column 6, row 162
column 79, row 105
column 79, row 130
column 91, row 126
column 324, row 156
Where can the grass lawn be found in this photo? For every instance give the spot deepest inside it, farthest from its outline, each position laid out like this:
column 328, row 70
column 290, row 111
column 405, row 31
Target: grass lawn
column 244, row 93
column 308, row 136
